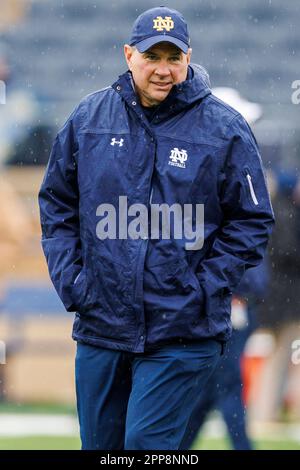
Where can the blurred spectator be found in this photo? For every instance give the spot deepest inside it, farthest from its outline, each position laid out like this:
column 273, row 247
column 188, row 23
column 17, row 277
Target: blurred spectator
column 224, row 389
column 24, row 139
column 15, row 226
column 281, row 310
column 283, row 306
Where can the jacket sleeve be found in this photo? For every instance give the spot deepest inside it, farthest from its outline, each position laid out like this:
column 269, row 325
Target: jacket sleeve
column 59, row 213
column 247, row 218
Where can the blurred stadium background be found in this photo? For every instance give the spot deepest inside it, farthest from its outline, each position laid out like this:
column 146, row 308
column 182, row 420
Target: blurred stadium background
column 53, row 53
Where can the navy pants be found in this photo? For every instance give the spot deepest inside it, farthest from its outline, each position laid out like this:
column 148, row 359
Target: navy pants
column 140, row 401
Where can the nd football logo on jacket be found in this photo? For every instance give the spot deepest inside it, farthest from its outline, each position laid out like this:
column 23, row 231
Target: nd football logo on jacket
column 163, row 23
column 178, row 157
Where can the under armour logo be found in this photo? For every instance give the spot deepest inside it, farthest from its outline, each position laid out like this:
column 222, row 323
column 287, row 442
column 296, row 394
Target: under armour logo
column 163, row 23
column 118, row 142
column 178, row 157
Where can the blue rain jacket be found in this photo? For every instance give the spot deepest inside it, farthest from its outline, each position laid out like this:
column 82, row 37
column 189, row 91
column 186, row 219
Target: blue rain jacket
column 136, row 294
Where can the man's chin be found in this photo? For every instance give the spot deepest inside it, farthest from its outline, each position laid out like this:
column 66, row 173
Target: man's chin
column 160, row 95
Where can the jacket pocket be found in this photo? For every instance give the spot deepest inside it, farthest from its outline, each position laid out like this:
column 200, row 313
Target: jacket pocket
column 174, row 279
column 250, row 186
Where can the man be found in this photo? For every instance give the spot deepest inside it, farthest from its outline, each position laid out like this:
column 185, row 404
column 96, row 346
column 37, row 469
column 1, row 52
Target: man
column 152, row 314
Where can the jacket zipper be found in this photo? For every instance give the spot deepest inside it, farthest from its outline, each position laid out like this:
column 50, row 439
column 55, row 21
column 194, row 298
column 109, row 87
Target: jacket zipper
column 77, row 277
column 252, row 192
column 151, row 194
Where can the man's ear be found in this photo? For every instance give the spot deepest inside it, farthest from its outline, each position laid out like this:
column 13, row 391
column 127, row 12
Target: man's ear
column 189, row 55
column 128, row 51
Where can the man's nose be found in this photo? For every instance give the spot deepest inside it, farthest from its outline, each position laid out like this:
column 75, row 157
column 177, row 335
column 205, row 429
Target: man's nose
column 162, row 69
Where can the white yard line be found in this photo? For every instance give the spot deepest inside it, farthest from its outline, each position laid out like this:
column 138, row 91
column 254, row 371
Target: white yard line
column 37, row 424
column 14, row 425
column 215, row 428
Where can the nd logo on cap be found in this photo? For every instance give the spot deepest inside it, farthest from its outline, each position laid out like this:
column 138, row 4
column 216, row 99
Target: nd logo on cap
column 163, row 23
column 158, row 25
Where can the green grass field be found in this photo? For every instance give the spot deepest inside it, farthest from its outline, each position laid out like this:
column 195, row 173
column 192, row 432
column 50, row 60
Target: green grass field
column 73, row 443
column 39, row 443
column 34, row 408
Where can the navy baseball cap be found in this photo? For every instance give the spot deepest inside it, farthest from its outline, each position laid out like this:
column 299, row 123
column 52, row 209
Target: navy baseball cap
column 158, row 25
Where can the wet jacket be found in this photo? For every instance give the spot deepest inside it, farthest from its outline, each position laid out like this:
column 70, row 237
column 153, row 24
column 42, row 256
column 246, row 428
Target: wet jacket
column 137, row 293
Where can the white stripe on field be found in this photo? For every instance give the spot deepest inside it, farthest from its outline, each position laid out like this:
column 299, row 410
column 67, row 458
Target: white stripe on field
column 32, row 424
